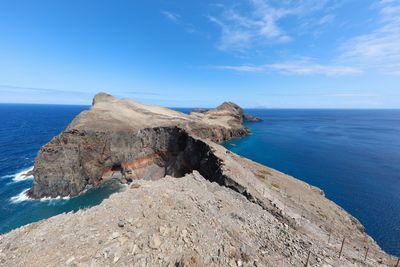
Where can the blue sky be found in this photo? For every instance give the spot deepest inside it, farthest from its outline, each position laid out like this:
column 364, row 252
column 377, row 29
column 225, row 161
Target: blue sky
column 258, row 53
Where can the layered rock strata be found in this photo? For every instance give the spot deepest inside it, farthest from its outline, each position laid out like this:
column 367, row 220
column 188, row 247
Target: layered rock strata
column 128, row 140
column 211, row 207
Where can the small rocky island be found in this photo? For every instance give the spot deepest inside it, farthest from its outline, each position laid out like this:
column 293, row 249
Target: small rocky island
column 189, row 201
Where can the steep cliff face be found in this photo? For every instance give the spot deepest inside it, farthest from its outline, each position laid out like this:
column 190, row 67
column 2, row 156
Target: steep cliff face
column 223, row 210
column 127, row 140
column 229, row 213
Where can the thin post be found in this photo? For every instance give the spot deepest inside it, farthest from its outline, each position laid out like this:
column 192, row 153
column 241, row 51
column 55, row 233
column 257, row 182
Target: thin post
column 398, row 261
column 341, row 248
column 366, row 254
column 308, row 258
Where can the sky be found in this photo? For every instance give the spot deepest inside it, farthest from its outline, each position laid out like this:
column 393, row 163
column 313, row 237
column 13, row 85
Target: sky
column 198, row 53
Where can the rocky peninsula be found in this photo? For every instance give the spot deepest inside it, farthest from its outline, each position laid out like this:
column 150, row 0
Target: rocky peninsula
column 189, row 201
column 127, row 140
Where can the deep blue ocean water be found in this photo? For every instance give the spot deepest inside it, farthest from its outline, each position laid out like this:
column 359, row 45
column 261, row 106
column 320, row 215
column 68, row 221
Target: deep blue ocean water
column 353, row 155
column 24, row 129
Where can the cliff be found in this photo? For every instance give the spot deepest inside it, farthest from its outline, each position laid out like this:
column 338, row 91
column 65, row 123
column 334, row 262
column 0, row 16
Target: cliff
column 125, row 139
column 190, row 201
column 230, row 105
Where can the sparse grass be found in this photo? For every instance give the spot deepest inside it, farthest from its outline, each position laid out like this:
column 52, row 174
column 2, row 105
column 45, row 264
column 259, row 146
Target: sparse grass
column 323, row 215
column 262, row 174
column 135, row 186
column 275, row 185
column 265, row 172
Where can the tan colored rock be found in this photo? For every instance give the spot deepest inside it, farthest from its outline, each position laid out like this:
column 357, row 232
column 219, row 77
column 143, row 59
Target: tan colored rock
column 206, row 207
column 215, row 237
column 155, row 241
column 120, row 138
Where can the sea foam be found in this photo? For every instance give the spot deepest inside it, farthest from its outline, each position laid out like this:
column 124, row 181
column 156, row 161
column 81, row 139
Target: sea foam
column 54, row 198
column 22, row 175
column 20, row 197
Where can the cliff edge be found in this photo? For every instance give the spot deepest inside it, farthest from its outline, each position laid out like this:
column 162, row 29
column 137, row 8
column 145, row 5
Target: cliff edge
column 120, row 138
column 189, row 202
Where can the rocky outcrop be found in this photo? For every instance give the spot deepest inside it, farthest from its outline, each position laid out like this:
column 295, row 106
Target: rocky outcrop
column 191, row 221
column 128, row 140
column 230, row 107
column 211, row 207
column 251, row 118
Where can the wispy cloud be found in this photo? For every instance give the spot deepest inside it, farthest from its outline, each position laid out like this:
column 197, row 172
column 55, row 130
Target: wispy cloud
column 241, row 30
column 139, row 93
column 296, row 67
column 342, row 94
column 379, row 49
column 28, row 89
column 22, row 89
column 171, row 16
column 351, row 95
column 12, row 94
column 327, row 19
column 177, row 19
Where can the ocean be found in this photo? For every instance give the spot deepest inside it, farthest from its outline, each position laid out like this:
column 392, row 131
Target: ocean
column 353, row 155
column 24, row 129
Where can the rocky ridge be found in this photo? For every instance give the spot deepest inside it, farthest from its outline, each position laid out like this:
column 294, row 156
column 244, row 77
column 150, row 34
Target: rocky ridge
column 127, row 140
column 230, row 105
column 190, row 201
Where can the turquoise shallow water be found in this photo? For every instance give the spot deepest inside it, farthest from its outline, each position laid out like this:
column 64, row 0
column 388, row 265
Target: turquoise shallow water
column 353, row 156
column 25, row 128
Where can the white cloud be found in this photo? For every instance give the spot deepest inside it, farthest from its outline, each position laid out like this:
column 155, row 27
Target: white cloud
column 171, row 16
column 297, row 67
column 232, row 37
column 327, row 19
column 262, row 21
column 243, row 68
column 379, row 49
column 308, row 68
column 176, row 18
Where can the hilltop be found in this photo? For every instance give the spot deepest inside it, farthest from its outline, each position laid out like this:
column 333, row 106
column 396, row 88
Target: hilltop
column 188, row 201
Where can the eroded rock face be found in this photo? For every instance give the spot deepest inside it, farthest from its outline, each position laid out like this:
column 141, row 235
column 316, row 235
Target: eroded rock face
column 225, row 211
column 127, row 140
column 192, row 222
column 232, row 108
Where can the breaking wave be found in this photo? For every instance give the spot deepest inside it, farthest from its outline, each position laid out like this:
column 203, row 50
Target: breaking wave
column 19, row 176
column 23, row 175
column 21, row 197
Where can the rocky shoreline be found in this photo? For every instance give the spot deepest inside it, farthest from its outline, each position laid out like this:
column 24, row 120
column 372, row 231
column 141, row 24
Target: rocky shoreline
column 190, row 201
column 121, row 138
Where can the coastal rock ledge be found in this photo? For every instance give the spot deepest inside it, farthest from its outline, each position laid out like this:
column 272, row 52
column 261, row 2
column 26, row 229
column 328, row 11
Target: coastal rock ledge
column 190, row 201
column 127, row 140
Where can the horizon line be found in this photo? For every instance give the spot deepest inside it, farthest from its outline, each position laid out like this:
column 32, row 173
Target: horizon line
column 254, row 108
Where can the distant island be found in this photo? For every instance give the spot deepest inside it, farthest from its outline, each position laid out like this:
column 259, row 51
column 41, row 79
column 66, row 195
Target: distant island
column 188, row 201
